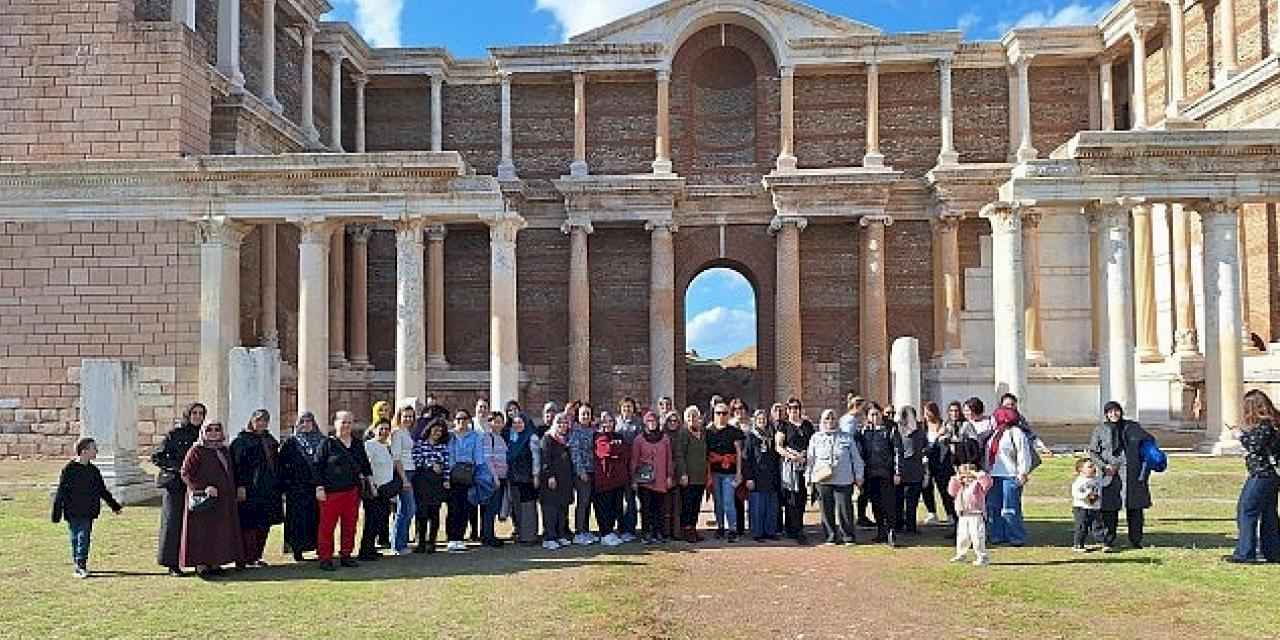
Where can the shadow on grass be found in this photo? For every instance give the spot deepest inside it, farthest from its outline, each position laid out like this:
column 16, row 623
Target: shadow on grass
column 1107, row 559
column 126, row 574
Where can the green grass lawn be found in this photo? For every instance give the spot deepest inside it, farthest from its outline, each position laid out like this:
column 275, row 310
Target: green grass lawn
column 1175, row 588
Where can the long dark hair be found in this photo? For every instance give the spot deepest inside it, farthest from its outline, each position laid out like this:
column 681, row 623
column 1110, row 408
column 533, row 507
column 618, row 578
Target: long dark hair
column 1258, row 408
column 186, row 414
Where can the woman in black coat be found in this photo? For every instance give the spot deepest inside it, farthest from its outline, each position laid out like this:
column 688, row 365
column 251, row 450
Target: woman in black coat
column 168, row 457
column 1116, row 450
column 255, row 454
column 297, row 478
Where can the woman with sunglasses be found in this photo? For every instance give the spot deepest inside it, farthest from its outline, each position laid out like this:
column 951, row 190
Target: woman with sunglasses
column 467, row 468
column 792, row 443
column 724, row 457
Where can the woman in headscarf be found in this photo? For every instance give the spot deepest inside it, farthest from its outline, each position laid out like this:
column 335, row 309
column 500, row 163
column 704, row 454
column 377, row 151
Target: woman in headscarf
column 168, row 457
column 833, row 465
column 255, row 455
column 914, row 444
column 1006, row 456
column 211, row 536
column 524, row 460
column 760, row 469
column 652, row 474
column 1116, row 450
column 557, row 483
column 672, row 526
column 402, row 458
column 297, row 477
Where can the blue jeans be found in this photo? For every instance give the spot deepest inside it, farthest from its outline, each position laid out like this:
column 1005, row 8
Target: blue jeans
column 764, row 514
column 405, row 510
column 722, row 494
column 630, row 511
column 489, row 513
column 81, row 534
column 1257, row 520
column 1004, row 512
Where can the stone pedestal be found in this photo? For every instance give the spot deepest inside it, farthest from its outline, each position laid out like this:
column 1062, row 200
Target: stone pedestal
column 904, row 364
column 109, row 415
column 255, row 384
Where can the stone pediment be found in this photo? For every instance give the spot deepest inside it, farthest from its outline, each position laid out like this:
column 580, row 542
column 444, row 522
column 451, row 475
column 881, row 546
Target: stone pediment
column 671, row 21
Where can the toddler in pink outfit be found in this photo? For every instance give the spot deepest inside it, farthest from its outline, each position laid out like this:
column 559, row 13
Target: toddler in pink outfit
column 969, row 488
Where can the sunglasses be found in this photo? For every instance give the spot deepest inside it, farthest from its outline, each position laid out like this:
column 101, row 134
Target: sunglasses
column 722, row 413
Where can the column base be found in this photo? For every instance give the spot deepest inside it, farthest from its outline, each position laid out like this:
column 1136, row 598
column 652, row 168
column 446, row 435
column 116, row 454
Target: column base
column 236, row 78
column 437, row 361
column 313, row 137
column 578, row 169
column 269, row 339
column 1026, row 154
column 1224, row 75
column 1037, row 359
column 338, row 361
column 274, row 105
column 786, row 163
column 873, row 160
column 1226, row 446
column 662, row 167
column 507, row 171
column 954, row 359
column 1149, row 356
column 948, row 158
column 360, row 364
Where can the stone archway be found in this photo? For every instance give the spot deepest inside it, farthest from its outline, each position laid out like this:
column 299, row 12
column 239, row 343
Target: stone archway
column 721, row 335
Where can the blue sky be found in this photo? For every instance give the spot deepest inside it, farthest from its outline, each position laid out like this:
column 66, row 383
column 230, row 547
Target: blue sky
column 719, row 313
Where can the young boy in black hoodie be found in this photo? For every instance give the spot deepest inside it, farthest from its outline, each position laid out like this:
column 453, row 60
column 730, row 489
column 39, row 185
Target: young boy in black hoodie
column 80, row 493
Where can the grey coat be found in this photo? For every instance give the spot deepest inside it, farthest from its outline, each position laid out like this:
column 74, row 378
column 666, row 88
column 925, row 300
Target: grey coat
column 1127, row 490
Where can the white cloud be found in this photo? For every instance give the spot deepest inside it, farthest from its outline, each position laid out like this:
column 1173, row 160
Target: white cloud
column 968, row 21
column 720, row 331
column 576, row 16
column 378, row 21
column 1074, row 13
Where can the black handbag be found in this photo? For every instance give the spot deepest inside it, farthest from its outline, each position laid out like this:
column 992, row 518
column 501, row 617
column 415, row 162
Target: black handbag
column 462, row 474
column 168, row 480
column 392, row 488
column 644, row 474
column 199, row 502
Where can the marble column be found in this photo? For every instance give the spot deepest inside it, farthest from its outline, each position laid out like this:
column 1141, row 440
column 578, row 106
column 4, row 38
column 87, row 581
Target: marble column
column 1177, row 61
column 786, row 129
column 313, row 319
column 268, row 330
column 435, row 305
column 506, row 165
column 269, row 56
column 336, row 55
column 1007, row 298
column 1025, row 149
column 338, row 298
column 184, row 12
column 662, row 333
column 361, row 80
column 1224, row 363
column 873, row 157
column 948, row 155
column 579, row 308
column 359, row 306
column 1106, row 100
column 1031, row 288
column 1118, row 367
column 1138, row 81
column 1186, row 338
column 437, row 122
column 788, row 377
column 308, row 83
column 578, row 167
column 220, row 241
column 411, row 352
column 873, row 328
column 229, row 44
column 1228, row 63
column 1144, row 285
column 1095, row 287
column 949, row 237
column 504, row 345
column 662, row 139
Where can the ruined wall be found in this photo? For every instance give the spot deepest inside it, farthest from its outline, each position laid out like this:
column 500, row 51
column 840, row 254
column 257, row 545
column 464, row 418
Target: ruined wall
column 910, row 121
column 472, row 116
column 830, row 120
column 621, row 126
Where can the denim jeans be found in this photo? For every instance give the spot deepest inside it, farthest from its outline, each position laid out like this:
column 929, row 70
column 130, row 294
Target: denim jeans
column 722, row 494
column 405, row 511
column 764, row 514
column 489, row 513
column 1257, row 520
column 1004, row 512
column 81, row 534
column 630, row 511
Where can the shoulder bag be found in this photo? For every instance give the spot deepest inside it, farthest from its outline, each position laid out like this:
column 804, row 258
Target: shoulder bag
column 824, row 471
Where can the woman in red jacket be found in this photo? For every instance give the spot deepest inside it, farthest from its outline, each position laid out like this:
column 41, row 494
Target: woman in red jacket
column 613, row 474
column 652, row 475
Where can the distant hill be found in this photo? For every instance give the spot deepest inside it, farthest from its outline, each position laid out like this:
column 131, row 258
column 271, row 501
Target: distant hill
column 745, row 359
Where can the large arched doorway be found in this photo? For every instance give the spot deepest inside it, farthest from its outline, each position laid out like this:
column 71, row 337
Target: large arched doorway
column 721, row 336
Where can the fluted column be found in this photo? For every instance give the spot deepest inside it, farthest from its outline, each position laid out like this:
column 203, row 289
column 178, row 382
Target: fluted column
column 337, row 297
column 1031, row 287
column 1026, row 151
column 506, row 165
column 437, row 122
column 504, row 345
column 787, row 330
column 579, row 308
column 229, row 43
column 359, row 307
column 948, row 154
column 1224, row 363
column 1007, row 298
column 361, row 81
column 1177, row 61
column 313, row 318
column 949, row 238
column 220, row 241
column 336, row 55
column 308, row 83
column 786, row 149
column 269, row 56
column 1144, row 285
column 579, row 165
column 1226, row 18
column 1118, row 363
column 411, row 352
column 1186, row 336
column 268, row 331
column 662, row 139
column 873, row 329
column 1138, row 36
column 873, row 157
column 662, row 333
column 435, row 306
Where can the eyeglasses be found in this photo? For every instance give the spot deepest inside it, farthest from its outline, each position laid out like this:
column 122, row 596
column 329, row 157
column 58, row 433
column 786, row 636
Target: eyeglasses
column 722, row 413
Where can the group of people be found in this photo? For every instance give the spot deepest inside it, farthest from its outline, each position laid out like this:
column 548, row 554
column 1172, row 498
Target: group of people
column 643, row 474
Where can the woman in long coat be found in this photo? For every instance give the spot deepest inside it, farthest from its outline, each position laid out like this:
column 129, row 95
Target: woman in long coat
column 168, row 457
column 1116, row 450
column 297, row 476
column 255, row 454
column 211, row 538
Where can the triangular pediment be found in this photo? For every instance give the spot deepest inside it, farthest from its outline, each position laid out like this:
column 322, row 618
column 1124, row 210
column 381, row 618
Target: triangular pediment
column 667, row 22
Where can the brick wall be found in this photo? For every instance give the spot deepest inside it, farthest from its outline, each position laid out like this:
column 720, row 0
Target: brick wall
column 543, row 299
column 1254, row 21
column 910, row 125
column 152, row 10
column 1059, row 105
column 1258, row 260
column 619, row 264
column 472, row 115
column 1200, row 50
column 621, row 125
column 288, row 73
column 980, row 101
column 251, row 44
column 207, row 27
column 1155, row 87
column 830, row 120
column 381, row 314
column 93, row 290
column 908, row 272
column 541, row 129
column 320, row 95
column 466, row 272
column 397, row 118
column 829, row 275
column 81, row 79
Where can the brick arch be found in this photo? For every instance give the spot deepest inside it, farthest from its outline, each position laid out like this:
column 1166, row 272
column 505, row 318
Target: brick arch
column 692, row 71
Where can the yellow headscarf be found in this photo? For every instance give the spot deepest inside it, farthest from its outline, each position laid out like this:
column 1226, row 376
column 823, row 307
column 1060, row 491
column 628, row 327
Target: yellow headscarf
column 377, row 411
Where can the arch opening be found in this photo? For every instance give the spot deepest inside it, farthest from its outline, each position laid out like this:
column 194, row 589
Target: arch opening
column 721, row 335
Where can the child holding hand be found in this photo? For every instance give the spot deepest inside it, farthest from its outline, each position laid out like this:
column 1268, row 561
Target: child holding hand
column 1086, row 502
column 969, row 487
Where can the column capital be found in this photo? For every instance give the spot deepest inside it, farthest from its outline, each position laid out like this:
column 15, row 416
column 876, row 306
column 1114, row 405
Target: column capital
column 437, row 233
column 662, row 74
column 1216, row 209
column 582, row 223
column 410, row 230
column 335, row 52
column 873, row 67
column 1005, row 217
column 778, row 222
column 579, row 76
column 1111, row 213
column 866, row 221
column 504, row 228
column 360, row 80
column 786, row 71
column 1021, row 61
column 435, row 80
column 1031, row 219
column 360, row 233
column 504, row 77
column 944, row 64
column 946, row 222
column 317, row 232
column 658, row 225
column 219, row 230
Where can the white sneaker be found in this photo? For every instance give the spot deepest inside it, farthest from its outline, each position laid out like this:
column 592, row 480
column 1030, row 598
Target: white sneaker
column 982, row 562
column 583, row 539
column 628, row 537
column 958, row 558
column 611, row 540
column 564, row 542
column 457, row 546
column 404, row 552
column 931, row 519
column 551, row 545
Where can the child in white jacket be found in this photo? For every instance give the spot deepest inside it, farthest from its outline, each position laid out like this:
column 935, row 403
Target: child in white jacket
column 1086, row 501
